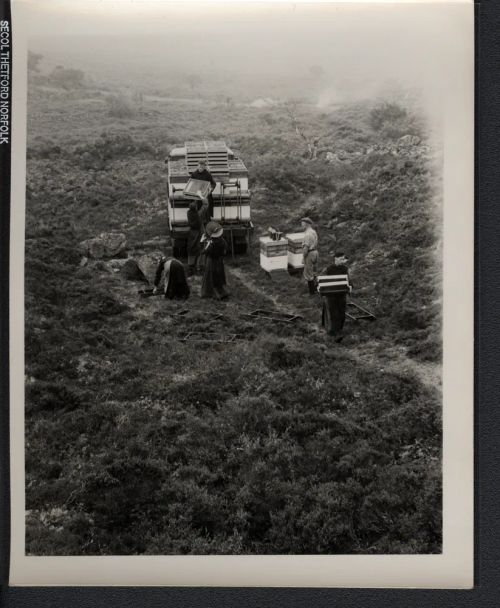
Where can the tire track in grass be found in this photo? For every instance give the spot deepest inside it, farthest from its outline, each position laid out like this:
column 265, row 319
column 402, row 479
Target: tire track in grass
column 249, row 296
column 273, row 299
column 392, row 359
column 255, row 289
column 374, row 354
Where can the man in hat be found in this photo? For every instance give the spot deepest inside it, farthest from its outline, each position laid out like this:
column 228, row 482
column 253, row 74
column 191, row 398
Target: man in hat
column 214, row 277
column 204, row 174
column 334, row 304
column 310, row 249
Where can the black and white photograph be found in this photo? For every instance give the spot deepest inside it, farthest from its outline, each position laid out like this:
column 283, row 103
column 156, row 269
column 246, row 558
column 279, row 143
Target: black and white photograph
column 235, row 250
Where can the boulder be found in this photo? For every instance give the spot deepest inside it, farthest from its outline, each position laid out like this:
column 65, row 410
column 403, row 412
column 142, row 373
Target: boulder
column 106, row 245
column 149, row 262
column 132, row 272
column 156, row 242
column 116, row 264
column 331, row 157
column 343, row 155
column 101, row 266
column 409, row 140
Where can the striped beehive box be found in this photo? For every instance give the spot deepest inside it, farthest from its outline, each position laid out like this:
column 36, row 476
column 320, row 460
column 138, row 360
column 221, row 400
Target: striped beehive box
column 273, row 254
column 295, row 252
column 232, row 210
column 334, row 283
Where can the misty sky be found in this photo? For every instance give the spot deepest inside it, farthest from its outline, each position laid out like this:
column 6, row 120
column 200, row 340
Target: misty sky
column 358, row 46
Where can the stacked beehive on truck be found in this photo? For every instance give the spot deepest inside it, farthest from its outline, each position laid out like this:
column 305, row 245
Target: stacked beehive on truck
column 231, row 195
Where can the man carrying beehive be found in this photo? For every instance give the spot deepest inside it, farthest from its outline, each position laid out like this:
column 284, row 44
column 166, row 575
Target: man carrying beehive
column 334, row 287
column 202, row 173
column 310, row 250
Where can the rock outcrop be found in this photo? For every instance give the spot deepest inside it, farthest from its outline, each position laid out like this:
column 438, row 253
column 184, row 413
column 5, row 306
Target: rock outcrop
column 132, row 271
column 106, row 245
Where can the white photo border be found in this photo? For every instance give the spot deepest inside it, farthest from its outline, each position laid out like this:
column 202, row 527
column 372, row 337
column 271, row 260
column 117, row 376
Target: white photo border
column 451, row 569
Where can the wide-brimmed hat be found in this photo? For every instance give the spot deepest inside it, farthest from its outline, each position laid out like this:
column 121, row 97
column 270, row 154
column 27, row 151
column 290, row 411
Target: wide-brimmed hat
column 307, row 220
column 214, row 229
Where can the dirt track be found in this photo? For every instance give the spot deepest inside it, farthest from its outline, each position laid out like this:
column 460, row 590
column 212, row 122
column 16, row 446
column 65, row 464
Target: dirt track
column 250, row 289
column 373, row 353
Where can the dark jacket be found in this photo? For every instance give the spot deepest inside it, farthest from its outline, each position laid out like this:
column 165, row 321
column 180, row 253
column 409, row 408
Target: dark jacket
column 334, row 269
column 216, row 248
column 205, row 176
column 214, row 275
column 204, row 214
column 176, row 285
column 334, row 305
column 195, row 232
column 193, row 218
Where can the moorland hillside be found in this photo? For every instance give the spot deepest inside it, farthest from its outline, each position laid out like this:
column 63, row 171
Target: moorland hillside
column 279, row 442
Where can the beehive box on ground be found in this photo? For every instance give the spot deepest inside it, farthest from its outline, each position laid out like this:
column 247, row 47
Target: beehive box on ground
column 295, row 254
column 273, row 254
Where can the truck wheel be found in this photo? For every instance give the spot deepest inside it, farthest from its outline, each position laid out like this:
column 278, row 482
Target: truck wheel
column 178, row 250
column 240, row 247
column 177, row 246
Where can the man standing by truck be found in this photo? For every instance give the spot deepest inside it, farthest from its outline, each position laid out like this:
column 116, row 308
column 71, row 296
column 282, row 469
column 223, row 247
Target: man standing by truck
column 310, row 249
column 195, row 233
column 204, row 174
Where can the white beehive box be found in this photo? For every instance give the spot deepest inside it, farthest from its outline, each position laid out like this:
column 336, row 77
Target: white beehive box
column 336, row 283
column 273, row 254
column 295, row 242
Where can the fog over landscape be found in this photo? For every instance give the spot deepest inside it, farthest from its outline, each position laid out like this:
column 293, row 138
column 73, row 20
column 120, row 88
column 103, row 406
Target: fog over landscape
column 322, row 53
